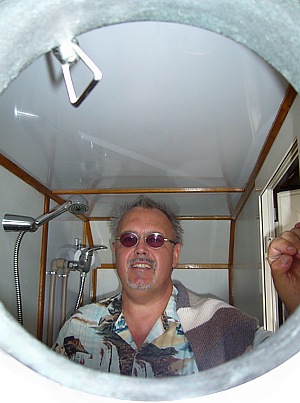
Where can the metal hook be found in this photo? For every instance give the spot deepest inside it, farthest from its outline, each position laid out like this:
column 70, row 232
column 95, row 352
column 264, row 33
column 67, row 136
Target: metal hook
column 69, row 53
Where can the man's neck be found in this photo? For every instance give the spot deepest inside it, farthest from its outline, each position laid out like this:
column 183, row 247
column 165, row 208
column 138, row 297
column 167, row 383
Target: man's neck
column 146, row 299
column 141, row 311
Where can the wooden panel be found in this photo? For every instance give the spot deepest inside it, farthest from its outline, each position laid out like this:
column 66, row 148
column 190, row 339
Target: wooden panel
column 230, row 262
column 181, row 218
column 199, row 266
column 88, row 236
column 150, row 190
column 42, row 279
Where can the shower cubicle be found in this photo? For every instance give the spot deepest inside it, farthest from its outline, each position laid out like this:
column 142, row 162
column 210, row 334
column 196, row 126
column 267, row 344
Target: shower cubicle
column 157, row 102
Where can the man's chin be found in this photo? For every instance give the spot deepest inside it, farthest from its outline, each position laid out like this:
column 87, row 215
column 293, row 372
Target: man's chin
column 140, row 279
column 138, row 285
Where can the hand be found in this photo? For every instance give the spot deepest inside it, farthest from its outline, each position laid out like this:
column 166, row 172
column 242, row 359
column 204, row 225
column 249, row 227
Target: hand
column 284, row 259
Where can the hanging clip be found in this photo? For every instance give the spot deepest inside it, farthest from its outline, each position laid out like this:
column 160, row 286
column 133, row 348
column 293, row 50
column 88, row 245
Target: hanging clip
column 68, row 54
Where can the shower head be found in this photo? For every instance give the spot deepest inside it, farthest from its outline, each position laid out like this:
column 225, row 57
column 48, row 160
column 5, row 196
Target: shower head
column 79, row 205
column 76, row 205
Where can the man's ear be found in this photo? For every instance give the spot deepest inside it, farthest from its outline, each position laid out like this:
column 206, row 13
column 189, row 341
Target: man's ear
column 176, row 254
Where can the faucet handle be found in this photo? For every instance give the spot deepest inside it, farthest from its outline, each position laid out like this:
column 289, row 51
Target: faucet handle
column 90, row 249
column 86, row 256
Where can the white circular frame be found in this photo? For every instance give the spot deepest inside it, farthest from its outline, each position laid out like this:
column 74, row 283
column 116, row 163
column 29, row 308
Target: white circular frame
column 30, row 28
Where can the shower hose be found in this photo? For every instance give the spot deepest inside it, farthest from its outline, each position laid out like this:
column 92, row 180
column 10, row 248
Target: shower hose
column 82, row 281
column 17, row 276
column 17, row 280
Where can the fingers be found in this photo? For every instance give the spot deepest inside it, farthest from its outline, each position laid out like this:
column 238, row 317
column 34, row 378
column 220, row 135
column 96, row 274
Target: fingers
column 285, row 246
column 293, row 238
column 281, row 264
column 284, row 259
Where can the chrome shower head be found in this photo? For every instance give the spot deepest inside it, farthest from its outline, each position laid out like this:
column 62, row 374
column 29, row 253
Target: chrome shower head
column 79, row 205
column 76, row 205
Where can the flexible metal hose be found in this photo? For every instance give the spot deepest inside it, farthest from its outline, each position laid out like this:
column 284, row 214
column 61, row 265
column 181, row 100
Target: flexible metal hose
column 82, row 281
column 17, row 277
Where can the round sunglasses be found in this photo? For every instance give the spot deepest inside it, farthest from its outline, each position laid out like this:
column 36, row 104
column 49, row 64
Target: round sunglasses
column 154, row 240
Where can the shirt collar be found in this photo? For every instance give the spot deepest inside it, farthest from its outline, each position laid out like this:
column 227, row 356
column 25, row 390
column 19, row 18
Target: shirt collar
column 168, row 315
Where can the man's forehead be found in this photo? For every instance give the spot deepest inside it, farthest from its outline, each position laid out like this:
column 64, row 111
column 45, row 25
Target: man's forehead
column 142, row 215
column 145, row 212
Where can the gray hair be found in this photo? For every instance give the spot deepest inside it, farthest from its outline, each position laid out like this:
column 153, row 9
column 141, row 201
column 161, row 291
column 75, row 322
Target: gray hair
column 146, row 202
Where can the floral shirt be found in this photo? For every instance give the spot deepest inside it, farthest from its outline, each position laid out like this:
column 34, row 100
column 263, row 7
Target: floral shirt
column 98, row 337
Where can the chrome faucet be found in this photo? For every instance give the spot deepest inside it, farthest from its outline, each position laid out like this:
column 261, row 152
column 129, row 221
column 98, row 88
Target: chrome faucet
column 85, row 259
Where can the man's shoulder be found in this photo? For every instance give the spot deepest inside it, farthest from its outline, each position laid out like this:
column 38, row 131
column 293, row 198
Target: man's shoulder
column 192, row 300
column 210, row 315
column 206, row 302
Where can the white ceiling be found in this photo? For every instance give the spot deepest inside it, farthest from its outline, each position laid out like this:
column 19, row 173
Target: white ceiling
column 177, row 106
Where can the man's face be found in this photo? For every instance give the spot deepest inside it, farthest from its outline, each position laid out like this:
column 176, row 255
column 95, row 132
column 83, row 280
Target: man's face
column 141, row 267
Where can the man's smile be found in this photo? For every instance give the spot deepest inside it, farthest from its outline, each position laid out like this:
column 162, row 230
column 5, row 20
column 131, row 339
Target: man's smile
column 142, row 264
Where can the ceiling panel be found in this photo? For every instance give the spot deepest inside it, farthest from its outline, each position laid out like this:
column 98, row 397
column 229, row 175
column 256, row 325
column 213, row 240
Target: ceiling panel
column 184, row 204
column 177, row 106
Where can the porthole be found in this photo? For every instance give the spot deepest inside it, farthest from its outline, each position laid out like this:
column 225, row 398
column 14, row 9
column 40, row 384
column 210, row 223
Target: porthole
column 257, row 26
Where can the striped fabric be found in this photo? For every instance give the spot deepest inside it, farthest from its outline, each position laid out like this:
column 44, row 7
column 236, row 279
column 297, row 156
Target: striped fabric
column 216, row 331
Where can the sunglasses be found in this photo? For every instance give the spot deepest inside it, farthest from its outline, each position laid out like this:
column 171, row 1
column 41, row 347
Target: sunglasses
column 154, row 240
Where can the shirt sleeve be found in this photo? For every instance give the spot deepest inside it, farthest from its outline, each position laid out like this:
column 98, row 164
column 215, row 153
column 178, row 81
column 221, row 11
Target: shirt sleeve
column 59, row 345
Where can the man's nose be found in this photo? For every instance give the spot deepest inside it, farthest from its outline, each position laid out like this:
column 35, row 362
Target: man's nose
column 142, row 247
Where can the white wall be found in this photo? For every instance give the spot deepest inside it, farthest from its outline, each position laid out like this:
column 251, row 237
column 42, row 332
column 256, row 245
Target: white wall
column 247, row 268
column 19, row 198
column 205, row 242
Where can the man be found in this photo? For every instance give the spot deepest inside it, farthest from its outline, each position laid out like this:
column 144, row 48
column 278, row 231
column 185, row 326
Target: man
column 154, row 328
